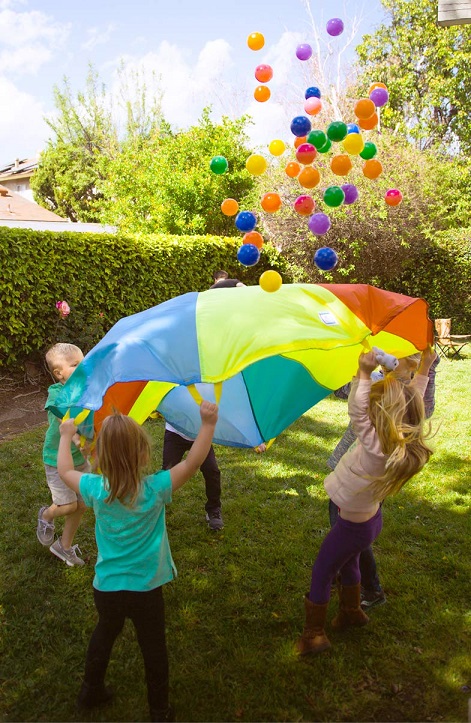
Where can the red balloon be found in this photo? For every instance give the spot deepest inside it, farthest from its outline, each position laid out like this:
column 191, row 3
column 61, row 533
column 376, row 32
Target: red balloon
column 393, row 197
column 304, row 205
column 306, row 153
column 263, row 73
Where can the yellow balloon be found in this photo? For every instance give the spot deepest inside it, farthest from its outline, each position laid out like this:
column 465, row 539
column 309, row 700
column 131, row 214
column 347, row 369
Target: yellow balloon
column 256, row 165
column 270, row 281
column 353, row 143
column 277, row 148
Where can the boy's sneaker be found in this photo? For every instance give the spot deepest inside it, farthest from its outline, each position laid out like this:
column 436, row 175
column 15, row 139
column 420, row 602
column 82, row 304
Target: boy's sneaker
column 69, row 556
column 214, row 519
column 44, row 529
column 372, row 598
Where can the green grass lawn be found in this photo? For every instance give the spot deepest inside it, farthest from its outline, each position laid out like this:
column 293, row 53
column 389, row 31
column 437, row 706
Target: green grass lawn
column 236, row 608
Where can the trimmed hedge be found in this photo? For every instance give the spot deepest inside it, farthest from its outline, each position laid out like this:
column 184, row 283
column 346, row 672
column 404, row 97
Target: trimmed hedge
column 103, row 278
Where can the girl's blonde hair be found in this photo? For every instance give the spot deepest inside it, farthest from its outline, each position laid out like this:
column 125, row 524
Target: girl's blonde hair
column 123, row 453
column 398, row 415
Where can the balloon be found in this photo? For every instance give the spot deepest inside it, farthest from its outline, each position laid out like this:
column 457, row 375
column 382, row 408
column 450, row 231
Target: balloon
column 229, row 207
column 336, row 131
column 333, row 196
column 393, row 197
column 326, row 147
column 319, row 224
column 369, row 151
column 218, row 165
column 263, row 73
column 254, row 238
column 299, row 141
column 312, row 106
column 367, row 124
column 306, row 153
column 351, row 193
column 341, row 165
column 277, row 148
column 353, row 143
column 255, row 41
column 317, row 138
column 270, row 281
column 312, row 92
column 372, row 168
column 353, row 128
column 364, row 108
column 379, row 96
column 325, row 258
column 270, row 202
column 292, row 169
column 303, row 51
column 304, row 205
column 246, row 221
column 300, row 126
column 309, row 177
column 335, row 27
column 256, row 164
column 262, row 93
column 248, row 255
column 376, row 85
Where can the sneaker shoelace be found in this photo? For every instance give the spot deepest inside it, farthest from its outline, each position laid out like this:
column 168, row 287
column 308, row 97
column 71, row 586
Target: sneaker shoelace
column 74, row 549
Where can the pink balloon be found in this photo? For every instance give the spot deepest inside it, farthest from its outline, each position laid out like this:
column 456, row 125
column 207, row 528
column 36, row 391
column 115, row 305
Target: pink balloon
column 312, row 106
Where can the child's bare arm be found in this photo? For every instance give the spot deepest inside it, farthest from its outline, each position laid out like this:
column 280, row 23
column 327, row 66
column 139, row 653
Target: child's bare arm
column 182, row 472
column 428, row 357
column 366, row 364
column 65, row 463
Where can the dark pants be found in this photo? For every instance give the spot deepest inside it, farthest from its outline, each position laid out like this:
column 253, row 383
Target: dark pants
column 340, row 553
column 146, row 610
column 368, row 571
column 174, row 449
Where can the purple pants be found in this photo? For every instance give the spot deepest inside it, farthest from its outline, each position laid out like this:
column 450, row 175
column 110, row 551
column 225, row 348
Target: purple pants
column 340, row 553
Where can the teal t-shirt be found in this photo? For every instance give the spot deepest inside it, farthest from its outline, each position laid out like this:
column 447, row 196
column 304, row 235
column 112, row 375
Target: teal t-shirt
column 51, row 441
column 133, row 548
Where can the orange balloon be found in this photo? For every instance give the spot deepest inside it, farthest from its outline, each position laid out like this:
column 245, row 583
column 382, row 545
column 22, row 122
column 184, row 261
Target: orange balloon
column 229, row 207
column 292, row 169
column 372, row 168
column 367, row 124
column 309, row 177
column 261, row 93
column 376, row 85
column 255, row 41
column 364, row 108
column 299, row 141
column 341, row 164
column 263, row 73
column 253, row 237
column 271, row 202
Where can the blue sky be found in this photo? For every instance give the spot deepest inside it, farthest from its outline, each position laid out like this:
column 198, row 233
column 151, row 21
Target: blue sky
column 196, row 49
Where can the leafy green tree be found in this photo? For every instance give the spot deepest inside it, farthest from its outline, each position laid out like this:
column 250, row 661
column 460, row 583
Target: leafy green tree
column 426, row 70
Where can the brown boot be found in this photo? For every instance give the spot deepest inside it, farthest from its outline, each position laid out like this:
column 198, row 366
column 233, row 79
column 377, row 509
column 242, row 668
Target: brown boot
column 313, row 639
column 350, row 612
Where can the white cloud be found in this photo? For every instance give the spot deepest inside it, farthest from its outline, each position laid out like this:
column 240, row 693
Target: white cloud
column 23, row 130
column 29, row 39
column 96, row 36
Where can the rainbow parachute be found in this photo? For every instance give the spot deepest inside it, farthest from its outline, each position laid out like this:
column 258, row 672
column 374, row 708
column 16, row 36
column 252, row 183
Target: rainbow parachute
column 265, row 358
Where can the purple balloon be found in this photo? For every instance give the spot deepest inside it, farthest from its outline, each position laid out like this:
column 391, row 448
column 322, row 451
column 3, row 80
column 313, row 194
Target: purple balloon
column 319, row 223
column 335, row 27
column 303, row 51
column 351, row 193
column 379, row 96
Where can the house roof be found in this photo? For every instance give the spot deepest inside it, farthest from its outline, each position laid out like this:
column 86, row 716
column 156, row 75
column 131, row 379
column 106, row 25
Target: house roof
column 14, row 207
column 18, row 169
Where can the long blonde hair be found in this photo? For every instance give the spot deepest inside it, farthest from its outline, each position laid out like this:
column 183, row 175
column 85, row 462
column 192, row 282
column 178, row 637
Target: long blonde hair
column 398, row 415
column 123, row 453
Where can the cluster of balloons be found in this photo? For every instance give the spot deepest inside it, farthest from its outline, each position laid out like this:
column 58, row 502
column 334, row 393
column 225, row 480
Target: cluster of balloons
column 263, row 72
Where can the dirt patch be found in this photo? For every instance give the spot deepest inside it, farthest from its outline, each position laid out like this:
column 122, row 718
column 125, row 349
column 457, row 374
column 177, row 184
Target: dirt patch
column 22, row 399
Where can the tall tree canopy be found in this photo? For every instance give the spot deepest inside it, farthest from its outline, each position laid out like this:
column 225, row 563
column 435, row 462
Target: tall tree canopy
column 426, row 70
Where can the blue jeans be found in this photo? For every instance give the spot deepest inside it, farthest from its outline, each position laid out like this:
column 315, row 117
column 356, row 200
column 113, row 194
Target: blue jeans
column 368, row 571
column 340, row 553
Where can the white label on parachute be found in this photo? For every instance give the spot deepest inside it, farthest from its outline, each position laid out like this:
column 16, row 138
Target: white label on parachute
column 328, row 318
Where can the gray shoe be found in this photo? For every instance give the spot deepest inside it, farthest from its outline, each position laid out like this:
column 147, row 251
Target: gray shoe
column 44, row 530
column 68, row 556
column 214, row 519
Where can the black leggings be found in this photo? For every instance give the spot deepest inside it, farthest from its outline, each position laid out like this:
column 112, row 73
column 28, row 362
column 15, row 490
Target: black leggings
column 146, row 610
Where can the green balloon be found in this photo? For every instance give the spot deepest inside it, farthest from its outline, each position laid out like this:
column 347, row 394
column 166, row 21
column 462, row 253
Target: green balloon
column 219, row 165
column 326, row 147
column 334, row 196
column 337, row 131
column 369, row 151
column 317, row 139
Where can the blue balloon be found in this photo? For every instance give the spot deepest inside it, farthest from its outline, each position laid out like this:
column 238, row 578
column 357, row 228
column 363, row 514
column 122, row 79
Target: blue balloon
column 325, row 258
column 312, row 92
column 300, row 126
column 246, row 221
column 353, row 128
column 248, row 254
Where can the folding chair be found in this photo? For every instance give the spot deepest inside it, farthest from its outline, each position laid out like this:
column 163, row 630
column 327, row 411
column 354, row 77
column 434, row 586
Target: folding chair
column 449, row 345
